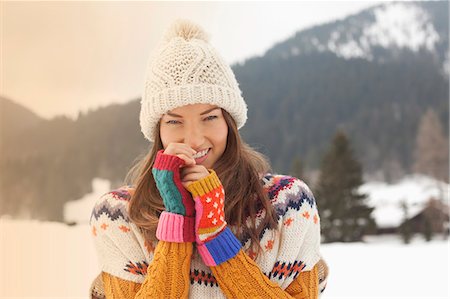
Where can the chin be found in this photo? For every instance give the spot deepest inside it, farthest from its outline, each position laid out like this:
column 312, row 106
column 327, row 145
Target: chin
column 207, row 166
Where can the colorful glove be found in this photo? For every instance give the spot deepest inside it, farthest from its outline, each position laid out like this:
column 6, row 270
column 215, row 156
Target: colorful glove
column 216, row 243
column 177, row 223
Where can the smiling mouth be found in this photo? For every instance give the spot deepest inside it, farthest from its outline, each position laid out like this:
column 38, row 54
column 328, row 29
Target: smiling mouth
column 201, row 154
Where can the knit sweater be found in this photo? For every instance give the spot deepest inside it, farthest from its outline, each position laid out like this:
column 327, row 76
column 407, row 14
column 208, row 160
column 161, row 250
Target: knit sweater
column 287, row 267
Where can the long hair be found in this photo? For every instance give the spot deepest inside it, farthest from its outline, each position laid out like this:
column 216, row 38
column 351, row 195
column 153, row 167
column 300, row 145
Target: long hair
column 240, row 169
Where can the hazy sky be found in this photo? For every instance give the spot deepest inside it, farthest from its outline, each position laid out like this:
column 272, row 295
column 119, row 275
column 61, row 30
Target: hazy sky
column 63, row 57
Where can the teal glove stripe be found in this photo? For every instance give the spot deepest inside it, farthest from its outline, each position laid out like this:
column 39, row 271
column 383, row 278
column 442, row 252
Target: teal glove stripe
column 169, row 192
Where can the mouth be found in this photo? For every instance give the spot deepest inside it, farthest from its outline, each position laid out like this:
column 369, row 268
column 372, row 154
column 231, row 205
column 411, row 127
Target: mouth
column 201, row 156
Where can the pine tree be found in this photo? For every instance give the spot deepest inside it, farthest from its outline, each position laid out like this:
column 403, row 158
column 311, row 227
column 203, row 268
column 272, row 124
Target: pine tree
column 345, row 217
column 431, row 153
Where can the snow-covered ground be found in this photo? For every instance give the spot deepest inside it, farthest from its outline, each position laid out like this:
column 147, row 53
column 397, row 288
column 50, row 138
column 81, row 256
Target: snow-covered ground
column 45, row 260
column 52, row 260
column 386, row 268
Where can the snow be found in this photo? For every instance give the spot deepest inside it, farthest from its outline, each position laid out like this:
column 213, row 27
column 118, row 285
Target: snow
column 318, row 45
column 404, row 26
column 386, row 268
column 396, row 25
column 79, row 211
column 53, row 260
column 350, row 49
column 45, row 260
column 295, row 51
column 414, row 189
column 446, row 64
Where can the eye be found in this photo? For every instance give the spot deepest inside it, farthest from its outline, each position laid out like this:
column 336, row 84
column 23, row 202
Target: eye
column 211, row 117
column 172, row 122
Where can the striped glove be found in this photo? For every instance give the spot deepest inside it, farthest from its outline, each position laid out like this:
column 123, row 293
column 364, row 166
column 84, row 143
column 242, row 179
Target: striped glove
column 177, row 223
column 216, row 243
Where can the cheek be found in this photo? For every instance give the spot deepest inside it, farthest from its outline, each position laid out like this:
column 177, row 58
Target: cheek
column 221, row 135
column 166, row 137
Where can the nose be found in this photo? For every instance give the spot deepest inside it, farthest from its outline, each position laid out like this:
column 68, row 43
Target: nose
column 193, row 136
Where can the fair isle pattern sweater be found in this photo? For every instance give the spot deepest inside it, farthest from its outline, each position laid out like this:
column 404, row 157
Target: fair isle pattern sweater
column 123, row 253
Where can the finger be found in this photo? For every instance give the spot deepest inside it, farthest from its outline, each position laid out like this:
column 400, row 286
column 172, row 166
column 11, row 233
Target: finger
column 190, row 149
column 188, row 160
column 191, row 168
column 178, row 151
column 193, row 176
column 179, row 148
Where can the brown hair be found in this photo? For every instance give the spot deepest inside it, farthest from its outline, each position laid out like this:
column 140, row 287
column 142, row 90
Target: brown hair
column 240, row 169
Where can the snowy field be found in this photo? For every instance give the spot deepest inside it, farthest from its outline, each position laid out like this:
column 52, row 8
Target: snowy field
column 52, row 260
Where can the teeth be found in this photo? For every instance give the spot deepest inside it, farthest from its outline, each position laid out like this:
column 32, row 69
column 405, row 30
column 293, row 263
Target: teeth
column 200, row 154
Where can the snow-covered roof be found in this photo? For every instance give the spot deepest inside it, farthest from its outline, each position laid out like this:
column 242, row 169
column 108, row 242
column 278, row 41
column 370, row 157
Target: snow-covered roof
column 415, row 190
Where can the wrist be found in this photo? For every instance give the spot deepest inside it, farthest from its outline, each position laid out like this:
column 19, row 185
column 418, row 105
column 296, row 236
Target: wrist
column 175, row 228
column 167, row 162
column 209, row 197
column 166, row 172
column 205, row 185
column 220, row 249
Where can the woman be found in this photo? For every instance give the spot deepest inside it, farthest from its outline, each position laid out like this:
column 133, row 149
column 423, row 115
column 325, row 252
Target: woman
column 204, row 218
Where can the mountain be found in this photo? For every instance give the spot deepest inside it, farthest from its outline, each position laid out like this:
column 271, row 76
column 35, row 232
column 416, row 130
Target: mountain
column 372, row 74
column 383, row 34
column 14, row 119
column 369, row 74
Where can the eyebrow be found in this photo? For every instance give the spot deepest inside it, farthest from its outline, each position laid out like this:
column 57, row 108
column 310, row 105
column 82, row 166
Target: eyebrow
column 203, row 113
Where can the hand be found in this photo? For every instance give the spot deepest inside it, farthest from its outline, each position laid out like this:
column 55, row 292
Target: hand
column 215, row 241
column 166, row 172
column 177, row 223
column 182, row 151
column 209, row 197
column 190, row 174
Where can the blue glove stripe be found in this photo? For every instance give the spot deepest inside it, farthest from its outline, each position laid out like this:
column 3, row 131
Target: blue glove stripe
column 223, row 247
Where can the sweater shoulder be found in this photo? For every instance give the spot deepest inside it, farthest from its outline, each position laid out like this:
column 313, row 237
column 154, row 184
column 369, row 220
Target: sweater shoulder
column 286, row 192
column 113, row 205
column 121, row 248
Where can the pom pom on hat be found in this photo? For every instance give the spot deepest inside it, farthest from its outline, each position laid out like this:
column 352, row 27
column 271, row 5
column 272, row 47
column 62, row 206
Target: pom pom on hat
column 186, row 30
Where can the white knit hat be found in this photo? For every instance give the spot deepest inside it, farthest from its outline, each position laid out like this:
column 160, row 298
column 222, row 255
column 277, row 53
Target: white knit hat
column 186, row 69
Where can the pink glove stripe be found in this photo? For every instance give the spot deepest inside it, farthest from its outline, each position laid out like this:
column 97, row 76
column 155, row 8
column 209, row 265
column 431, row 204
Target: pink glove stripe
column 199, row 213
column 175, row 228
column 206, row 256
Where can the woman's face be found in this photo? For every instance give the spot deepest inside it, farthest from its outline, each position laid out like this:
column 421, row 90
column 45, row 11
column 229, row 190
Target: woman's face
column 201, row 126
